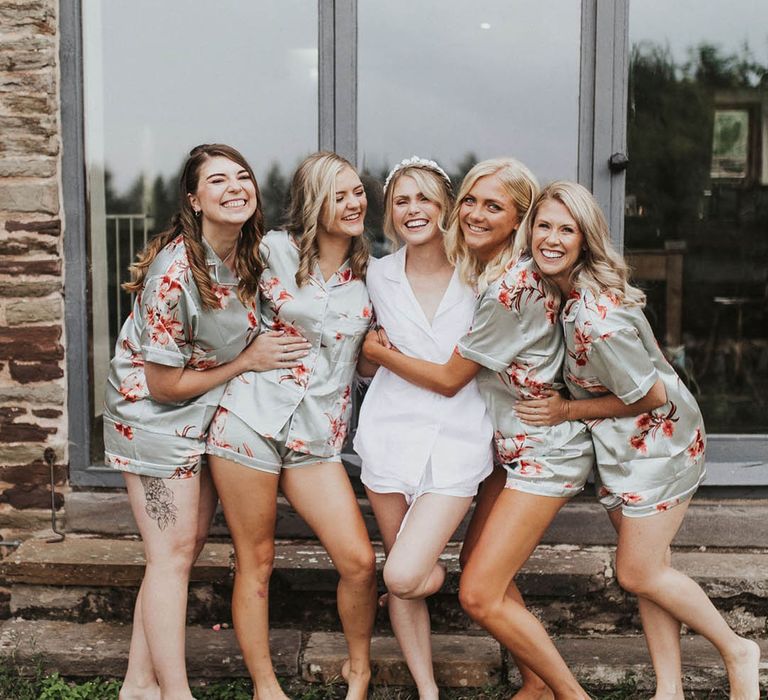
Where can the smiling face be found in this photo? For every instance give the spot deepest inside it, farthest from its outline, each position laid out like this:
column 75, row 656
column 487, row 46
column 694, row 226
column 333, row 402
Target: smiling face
column 556, row 242
column 415, row 217
column 347, row 211
column 488, row 218
column 226, row 193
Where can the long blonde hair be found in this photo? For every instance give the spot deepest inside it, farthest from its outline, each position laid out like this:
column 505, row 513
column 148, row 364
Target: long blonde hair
column 522, row 187
column 313, row 191
column 248, row 264
column 601, row 268
column 432, row 185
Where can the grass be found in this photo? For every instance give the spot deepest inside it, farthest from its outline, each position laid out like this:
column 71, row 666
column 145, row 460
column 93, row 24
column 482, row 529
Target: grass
column 39, row 686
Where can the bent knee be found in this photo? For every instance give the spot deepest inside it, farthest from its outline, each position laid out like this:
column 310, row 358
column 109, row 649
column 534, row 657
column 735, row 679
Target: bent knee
column 401, row 583
column 255, row 561
column 475, row 599
column 633, row 578
column 358, row 565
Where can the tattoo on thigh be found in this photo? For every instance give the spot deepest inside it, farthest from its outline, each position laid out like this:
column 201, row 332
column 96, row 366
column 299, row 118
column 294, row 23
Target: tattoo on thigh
column 159, row 504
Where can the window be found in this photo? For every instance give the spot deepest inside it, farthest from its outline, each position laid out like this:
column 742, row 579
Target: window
column 245, row 74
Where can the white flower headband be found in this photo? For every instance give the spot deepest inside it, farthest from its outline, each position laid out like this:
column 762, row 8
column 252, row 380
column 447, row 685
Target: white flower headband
column 416, row 162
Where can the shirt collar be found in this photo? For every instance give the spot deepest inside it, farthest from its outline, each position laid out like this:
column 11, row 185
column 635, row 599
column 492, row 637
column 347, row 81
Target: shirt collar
column 218, row 270
column 572, row 305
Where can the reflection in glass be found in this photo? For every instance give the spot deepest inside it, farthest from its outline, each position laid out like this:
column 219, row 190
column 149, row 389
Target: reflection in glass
column 461, row 81
column 161, row 78
column 697, row 197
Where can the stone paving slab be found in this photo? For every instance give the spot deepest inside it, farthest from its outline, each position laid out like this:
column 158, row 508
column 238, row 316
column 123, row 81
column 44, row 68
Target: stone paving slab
column 606, row 661
column 99, row 648
column 98, row 562
column 726, row 574
column 554, row 571
column 460, row 661
column 86, row 650
column 714, row 523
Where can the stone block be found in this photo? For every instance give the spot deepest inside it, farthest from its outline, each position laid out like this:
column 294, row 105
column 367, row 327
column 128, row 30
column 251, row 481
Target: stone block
column 24, row 432
column 80, row 561
column 17, row 266
column 24, row 496
column 26, row 372
column 26, row 82
column 24, row 521
column 20, row 104
column 27, row 167
column 460, row 661
column 34, row 17
column 45, row 598
column 51, row 227
column 101, row 649
column 46, row 413
column 37, row 472
column 29, row 245
column 26, row 311
column 29, row 197
column 29, row 288
column 31, row 343
column 21, row 454
column 27, row 52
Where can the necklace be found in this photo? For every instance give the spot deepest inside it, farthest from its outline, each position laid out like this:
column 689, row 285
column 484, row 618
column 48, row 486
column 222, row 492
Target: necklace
column 229, row 254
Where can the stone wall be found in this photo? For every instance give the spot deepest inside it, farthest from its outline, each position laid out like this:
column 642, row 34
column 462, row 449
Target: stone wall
column 32, row 366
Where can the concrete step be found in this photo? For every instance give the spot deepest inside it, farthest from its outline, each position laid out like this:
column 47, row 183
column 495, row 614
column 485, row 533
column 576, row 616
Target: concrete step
column 573, row 590
column 712, row 523
column 86, row 650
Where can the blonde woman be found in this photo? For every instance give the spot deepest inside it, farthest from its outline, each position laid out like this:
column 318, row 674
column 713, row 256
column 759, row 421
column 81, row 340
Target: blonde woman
column 288, row 425
column 515, row 349
column 423, row 454
column 196, row 311
column 647, row 429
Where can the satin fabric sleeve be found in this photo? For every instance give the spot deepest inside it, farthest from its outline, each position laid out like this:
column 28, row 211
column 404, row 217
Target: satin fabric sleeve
column 622, row 364
column 496, row 336
column 170, row 319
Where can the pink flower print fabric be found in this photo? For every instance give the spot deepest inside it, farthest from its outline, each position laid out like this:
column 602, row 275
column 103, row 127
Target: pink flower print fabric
column 646, row 460
column 516, row 338
column 314, row 398
column 169, row 326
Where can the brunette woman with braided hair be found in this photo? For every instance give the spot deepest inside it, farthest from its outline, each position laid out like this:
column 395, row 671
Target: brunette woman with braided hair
column 288, row 426
column 195, row 315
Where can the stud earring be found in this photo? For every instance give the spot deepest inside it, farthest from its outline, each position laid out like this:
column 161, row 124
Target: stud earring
column 197, row 213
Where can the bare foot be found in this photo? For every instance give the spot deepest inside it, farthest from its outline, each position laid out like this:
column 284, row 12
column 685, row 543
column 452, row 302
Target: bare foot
column 744, row 673
column 383, row 600
column 271, row 692
column 135, row 692
column 357, row 681
column 533, row 692
column 669, row 694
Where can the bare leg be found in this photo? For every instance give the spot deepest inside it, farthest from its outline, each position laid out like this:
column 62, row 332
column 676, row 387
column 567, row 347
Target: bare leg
column 662, row 635
column 168, row 516
column 412, row 571
column 643, row 569
column 249, row 499
column 140, row 682
column 513, row 529
column 322, row 495
column 533, row 687
column 409, row 618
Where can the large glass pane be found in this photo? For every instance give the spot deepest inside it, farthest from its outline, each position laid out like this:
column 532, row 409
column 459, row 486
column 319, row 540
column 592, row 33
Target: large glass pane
column 697, row 196
column 463, row 81
column 161, row 77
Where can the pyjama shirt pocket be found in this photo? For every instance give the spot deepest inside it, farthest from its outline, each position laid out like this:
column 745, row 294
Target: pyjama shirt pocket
column 347, row 338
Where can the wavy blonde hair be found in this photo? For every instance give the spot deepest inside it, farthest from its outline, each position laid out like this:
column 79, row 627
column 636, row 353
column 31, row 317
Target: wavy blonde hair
column 600, row 268
column 312, row 193
column 247, row 263
column 521, row 185
column 432, row 185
